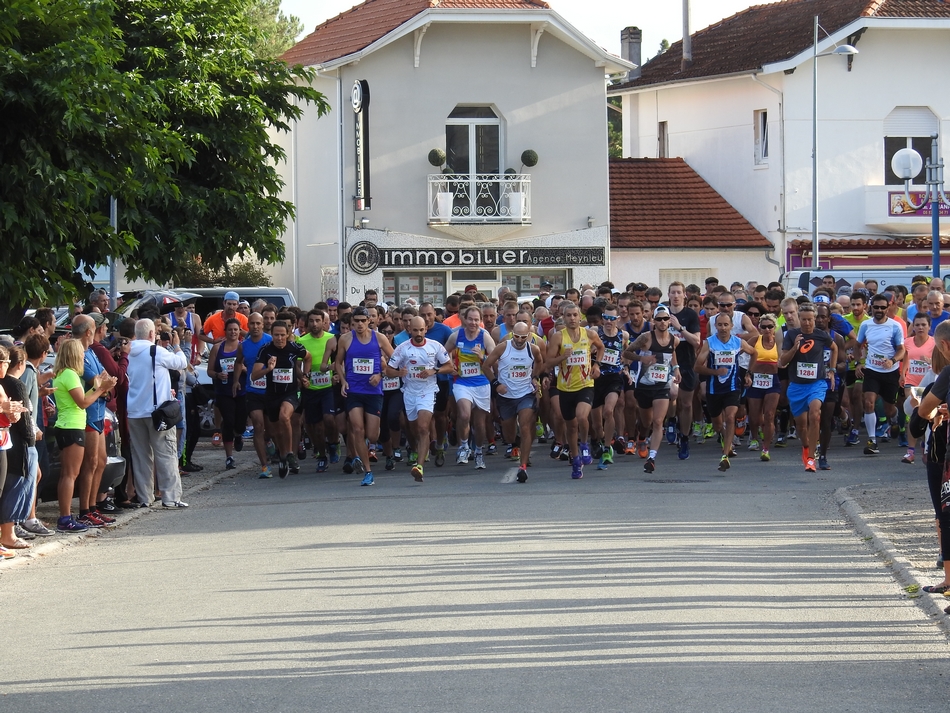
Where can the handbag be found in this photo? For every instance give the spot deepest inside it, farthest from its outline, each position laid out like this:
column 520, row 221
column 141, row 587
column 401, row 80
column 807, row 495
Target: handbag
column 167, row 414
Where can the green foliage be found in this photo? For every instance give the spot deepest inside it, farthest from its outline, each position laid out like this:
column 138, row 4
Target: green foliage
column 273, row 32
column 664, row 46
column 529, row 158
column 614, row 128
column 437, row 157
column 197, row 273
column 163, row 105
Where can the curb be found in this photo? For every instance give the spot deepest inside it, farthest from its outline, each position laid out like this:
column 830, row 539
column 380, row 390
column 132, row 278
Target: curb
column 904, row 572
column 61, row 541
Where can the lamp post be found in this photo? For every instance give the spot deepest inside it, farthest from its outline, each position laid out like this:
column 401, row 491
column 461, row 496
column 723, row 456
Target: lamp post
column 906, row 165
column 844, row 50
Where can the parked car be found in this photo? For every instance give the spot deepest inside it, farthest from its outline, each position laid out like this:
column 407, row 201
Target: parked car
column 211, row 299
column 115, row 466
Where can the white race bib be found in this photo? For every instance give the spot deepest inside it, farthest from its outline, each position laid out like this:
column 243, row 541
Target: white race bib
column 577, row 359
column 320, row 379
column 519, row 371
column 611, row 357
column 918, row 367
column 283, row 376
column 227, row 364
column 259, row 383
column 876, row 361
column 659, row 373
column 391, row 383
column 807, row 370
column 725, row 359
column 470, row 368
column 762, row 381
column 363, row 366
column 415, row 371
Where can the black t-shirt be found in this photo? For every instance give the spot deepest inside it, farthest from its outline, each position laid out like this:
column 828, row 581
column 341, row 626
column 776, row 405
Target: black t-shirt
column 282, row 379
column 937, row 443
column 808, row 364
column 685, row 353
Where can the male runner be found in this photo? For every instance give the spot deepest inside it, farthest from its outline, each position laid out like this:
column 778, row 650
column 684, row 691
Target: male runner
column 316, row 398
column 882, row 341
column 684, row 325
column 608, row 387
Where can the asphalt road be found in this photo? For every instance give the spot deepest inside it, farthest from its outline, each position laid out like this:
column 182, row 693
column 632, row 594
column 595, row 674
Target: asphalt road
column 684, row 589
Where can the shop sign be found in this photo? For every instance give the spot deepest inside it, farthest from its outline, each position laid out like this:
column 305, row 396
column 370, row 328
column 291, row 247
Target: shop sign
column 366, row 257
column 898, row 207
column 359, row 98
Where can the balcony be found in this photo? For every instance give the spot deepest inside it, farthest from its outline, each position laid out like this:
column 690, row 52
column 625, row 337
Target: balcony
column 458, row 203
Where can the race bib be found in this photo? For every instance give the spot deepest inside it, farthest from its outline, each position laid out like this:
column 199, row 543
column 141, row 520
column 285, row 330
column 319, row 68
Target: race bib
column 227, row 364
column 876, row 361
column 725, row 359
column 827, row 353
column 918, row 367
column 283, row 376
column 259, row 383
column 320, row 379
column 518, row 372
column 611, row 357
column 762, row 381
column 659, row 373
column 807, row 370
column 416, row 370
column 470, row 368
column 577, row 359
column 363, row 366
column 391, row 383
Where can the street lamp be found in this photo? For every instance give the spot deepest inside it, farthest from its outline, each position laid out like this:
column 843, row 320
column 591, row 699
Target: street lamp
column 847, row 51
column 906, row 165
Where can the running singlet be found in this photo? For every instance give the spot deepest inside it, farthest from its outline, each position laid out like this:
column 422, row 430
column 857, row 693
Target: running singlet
column 515, row 368
column 470, row 363
column 575, row 371
column 251, row 349
column 317, row 346
column 723, row 354
column 362, row 362
column 808, row 364
column 658, row 374
column 918, row 360
column 188, row 324
column 416, row 359
column 281, row 380
column 611, row 362
column 225, row 361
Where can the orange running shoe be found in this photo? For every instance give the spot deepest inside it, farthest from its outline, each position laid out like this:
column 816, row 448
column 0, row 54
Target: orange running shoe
column 740, row 426
column 643, row 450
column 810, row 465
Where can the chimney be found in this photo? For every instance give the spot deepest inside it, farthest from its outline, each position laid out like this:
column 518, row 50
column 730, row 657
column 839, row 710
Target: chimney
column 687, row 40
column 631, row 42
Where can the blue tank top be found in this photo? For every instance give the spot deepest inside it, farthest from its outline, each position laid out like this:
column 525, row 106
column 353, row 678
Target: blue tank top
column 611, row 362
column 251, row 350
column 470, row 366
column 225, row 361
column 723, row 354
column 362, row 361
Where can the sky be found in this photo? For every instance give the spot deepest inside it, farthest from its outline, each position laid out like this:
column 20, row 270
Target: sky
column 659, row 19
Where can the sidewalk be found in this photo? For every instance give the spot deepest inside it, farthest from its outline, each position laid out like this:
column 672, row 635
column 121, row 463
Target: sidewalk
column 898, row 524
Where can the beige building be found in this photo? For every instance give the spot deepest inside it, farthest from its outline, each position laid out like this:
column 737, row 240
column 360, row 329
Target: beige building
column 490, row 85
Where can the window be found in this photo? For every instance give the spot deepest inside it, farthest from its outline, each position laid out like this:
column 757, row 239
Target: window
column 472, row 148
column 688, row 276
column 761, row 122
column 907, row 127
column 662, row 140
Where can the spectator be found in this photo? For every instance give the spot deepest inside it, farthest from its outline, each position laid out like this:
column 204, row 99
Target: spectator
column 16, row 499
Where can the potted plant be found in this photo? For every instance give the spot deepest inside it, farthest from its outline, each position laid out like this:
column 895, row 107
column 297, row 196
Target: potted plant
column 516, row 199
column 444, row 195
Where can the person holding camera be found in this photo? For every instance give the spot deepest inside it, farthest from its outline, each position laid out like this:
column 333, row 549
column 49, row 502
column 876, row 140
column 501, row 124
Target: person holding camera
column 153, row 451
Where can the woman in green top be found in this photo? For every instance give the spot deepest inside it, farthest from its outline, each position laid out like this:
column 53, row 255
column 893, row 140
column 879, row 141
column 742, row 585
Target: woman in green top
column 71, row 404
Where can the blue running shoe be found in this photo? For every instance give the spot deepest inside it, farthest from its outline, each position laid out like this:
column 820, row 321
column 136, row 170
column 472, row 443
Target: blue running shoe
column 248, row 433
column 368, row 480
column 671, row 432
column 322, row 464
column 902, row 439
column 683, row 453
column 586, row 457
column 334, row 454
column 577, row 469
column 854, row 438
column 603, row 462
column 358, row 466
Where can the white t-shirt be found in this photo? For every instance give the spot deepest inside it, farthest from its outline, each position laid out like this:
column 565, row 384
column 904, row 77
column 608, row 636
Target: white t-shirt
column 882, row 341
column 416, row 359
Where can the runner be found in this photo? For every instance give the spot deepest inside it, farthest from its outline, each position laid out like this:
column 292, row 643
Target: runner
column 855, row 385
column 418, row 362
column 832, row 403
column 469, row 347
column 577, row 352
column 913, row 369
column 359, row 359
column 256, row 389
column 882, row 341
column 316, row 398
column 718, row 359
column 635, row 430
column 439, row 433
column 516, row 365
column 229, row 392
column 608, row 387
column 803, row 354
column 655, row 351
column 684, row 325
column 279, row 362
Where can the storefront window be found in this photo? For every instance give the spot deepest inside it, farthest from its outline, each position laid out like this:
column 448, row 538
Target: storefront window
column 529, row 283
column 420, row 286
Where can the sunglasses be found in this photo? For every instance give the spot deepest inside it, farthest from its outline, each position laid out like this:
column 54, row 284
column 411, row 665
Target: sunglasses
column 610, row 318
column 519, row 336
column 654, row 302
column 766, row 326
column 661, row 319
column 754, row 314
column 879, row 307
column 359, row 319
column 727, row 304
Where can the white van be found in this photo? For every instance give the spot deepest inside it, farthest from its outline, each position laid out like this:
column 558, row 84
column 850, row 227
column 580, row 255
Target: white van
column 808, row 280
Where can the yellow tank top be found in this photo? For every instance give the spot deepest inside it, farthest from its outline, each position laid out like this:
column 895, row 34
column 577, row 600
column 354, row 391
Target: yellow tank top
column 574, row 373
column 769, row 356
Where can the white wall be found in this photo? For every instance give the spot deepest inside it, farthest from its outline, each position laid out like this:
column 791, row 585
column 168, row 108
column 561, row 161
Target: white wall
column 628, row 265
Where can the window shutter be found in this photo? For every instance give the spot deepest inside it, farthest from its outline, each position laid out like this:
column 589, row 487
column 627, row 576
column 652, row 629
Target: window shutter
column 911, row 121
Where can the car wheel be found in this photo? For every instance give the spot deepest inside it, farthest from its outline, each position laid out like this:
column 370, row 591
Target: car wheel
column 206, row 418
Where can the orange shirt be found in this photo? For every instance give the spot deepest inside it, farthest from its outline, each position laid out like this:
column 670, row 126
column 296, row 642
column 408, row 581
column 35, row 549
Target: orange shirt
column 214, row 325
column 453, row 321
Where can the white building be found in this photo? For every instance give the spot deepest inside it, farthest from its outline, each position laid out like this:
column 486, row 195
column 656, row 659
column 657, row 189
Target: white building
column 484, row 81
column 740, row 114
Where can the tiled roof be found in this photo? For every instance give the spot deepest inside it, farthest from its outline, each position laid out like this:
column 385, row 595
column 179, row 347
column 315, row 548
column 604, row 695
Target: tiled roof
column 920, row 242
column 360, row 26
column 775, row 32
column 663, row 203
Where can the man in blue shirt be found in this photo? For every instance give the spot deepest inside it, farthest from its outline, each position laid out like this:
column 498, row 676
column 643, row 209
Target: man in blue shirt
column 935, row 310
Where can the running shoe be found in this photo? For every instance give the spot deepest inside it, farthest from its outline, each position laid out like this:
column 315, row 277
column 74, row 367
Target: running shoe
column 508, row 449
column 22, row 534
column 397, row 455
column 69, row 524
column 724, row 464
column 603, row 463
column 577, row 468
column 631, row 448
column 810, row 465
column 671, row 432
column 479, row 461
column 522, row 475
column 753, row 445
column 412, row 458
column 265, row 472
column 597, row 451
column 491, row 448
column 565, row 453
column 390, row 463
column 229, row 463
column 854, row 438
column 643, row 449
column 792, row 433
column 90, row 520
column 373, row 458
column 417, row 473
column 780, row 441
column 539, row 431
column 683, row 453
column 555, row 450
column 697, row 429
column 248, row 432
column 216, row 440
column 765, row 457
column 649, row 466
column 741, row 426
column 35, row 527
column 358, row 466
column 619, row 445
column 334, row 453
column 871, row 449
column 883, row 431
column 902, row 439
column 515, row 453
column 909, row 456
column 823, row 463
column 105, row 518
column 347, row 465
column 608, row 455
column 239, row 444
column 439, row 457
column 282, row 469
column 462, row 457
column 322, row 464
column 586, row 457
column 368, row 479
column 302, row 450
column 709, row 431
column 292, row 463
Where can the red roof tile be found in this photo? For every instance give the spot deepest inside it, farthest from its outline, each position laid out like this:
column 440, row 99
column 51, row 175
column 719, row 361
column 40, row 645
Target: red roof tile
column 920, row 242
column 770, row 33
column 360, row 26
column 663, row 203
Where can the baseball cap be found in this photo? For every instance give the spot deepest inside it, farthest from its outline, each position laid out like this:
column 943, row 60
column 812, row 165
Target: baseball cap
column 547, row 285
column 333, row 302
column 471, row 288
column 712, row 281
column 99, row 319
column 844, row 290
column 661, row 309
column 231, row 295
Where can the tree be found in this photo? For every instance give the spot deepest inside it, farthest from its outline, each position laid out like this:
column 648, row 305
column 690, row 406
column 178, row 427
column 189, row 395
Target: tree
column 239, row 272
column 614, row 127
column 664, row 46
column 275, row 32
